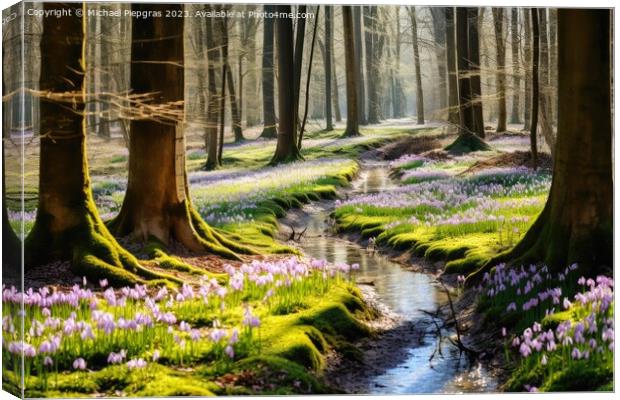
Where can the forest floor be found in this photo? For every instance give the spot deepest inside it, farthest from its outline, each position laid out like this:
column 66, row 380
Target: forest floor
column 273, row 323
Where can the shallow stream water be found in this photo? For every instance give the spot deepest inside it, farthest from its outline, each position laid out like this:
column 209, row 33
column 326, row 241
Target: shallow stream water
column 400, row 364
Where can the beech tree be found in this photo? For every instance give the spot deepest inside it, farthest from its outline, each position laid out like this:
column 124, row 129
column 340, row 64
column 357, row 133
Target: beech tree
column 419, row 98
column 453, row 90
column 576, row 225
column 157, row 206
column 67, row 224
column 269, row 111
column 467, row 57
column 516, row 70
column 286, row 147
column 327, row 61
column 213, row 57
column 352, row 128
column 500, row 46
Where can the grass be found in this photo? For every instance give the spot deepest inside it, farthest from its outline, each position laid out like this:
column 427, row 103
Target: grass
column 461, row 219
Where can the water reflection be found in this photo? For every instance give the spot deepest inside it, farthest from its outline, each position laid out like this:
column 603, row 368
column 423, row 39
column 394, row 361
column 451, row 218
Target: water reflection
column 405, row 292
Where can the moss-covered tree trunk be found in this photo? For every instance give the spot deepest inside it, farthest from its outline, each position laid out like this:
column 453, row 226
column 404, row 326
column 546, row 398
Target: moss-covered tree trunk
column 286, row 147
column 269, row 111
column 157, row 204
column 576, row 225
column 352, row 128
column 67, row 225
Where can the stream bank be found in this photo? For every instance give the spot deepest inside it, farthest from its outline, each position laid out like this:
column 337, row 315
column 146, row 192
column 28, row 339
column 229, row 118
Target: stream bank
column 412, row 352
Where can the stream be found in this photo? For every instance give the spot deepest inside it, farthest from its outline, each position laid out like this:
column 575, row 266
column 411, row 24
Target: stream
column 397, row 361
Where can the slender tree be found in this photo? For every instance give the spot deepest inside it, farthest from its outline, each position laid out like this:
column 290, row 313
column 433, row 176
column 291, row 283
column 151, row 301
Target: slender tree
column 223, row 22
column 500, row 46
column 535, row 87
column 516, row 71
column 352, row 128
column 544, row 108
column 527, row 57
column 213, row 59
column 269, row 111
column 438, row 16
column 327, row 60
column 453, row 90
column 67, row 225
column 473, row 36
column 157, row 206
column 419, row 98
column 359, row 63
column 576, row 225
column 286, row 147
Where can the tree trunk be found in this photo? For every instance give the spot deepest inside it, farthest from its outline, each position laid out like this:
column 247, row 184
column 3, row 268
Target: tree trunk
column 222, row 112
column 213, row 57
column 467, row 140
column 374, row 106
column 67, row 225
column 352, row 128
column 535, row 88
column 419, row 98
column 474, row 61
column 234, row 107
column 157, row 205
column 544, row 108
column 359, row 63
column 576, row 225
column 327, row 60
column 553, row 64
column 298, row 56
column 527, row 56
column 335, row 92
column 498, row 23
column 516, row 72
column 269, row 111
column 439, row 32
column 286, row 147
column 453, row 90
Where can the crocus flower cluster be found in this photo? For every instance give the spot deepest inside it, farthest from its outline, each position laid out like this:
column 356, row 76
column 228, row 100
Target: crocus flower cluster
column 135, row 326
column 587, row 335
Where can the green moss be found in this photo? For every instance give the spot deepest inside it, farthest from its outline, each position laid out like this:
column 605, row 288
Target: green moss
column 467, row 143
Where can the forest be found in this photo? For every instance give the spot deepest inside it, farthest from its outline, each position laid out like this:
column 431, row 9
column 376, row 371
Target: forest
column 248, row 199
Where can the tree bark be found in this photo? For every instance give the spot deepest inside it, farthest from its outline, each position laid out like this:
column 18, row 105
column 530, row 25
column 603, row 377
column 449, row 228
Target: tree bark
column 269, row 112
column 468, row 140
column 373, row 50
column 516, row 71
column 213, row 59
column 67, row 225
column 439, row 33
column 535, row 87
column 544, row 108
column 474, row 61
column 286, row 147
column 359, row 63
column 453, row 90
column 327, row 60
column 419, row 98
column 157, row 206
column 576, row 225
column 500, row 46
column 222, row 112
column 527, row 56
column 352, row 128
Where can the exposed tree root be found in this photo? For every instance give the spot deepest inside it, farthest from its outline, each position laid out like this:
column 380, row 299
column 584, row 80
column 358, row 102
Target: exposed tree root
column 93, row 251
